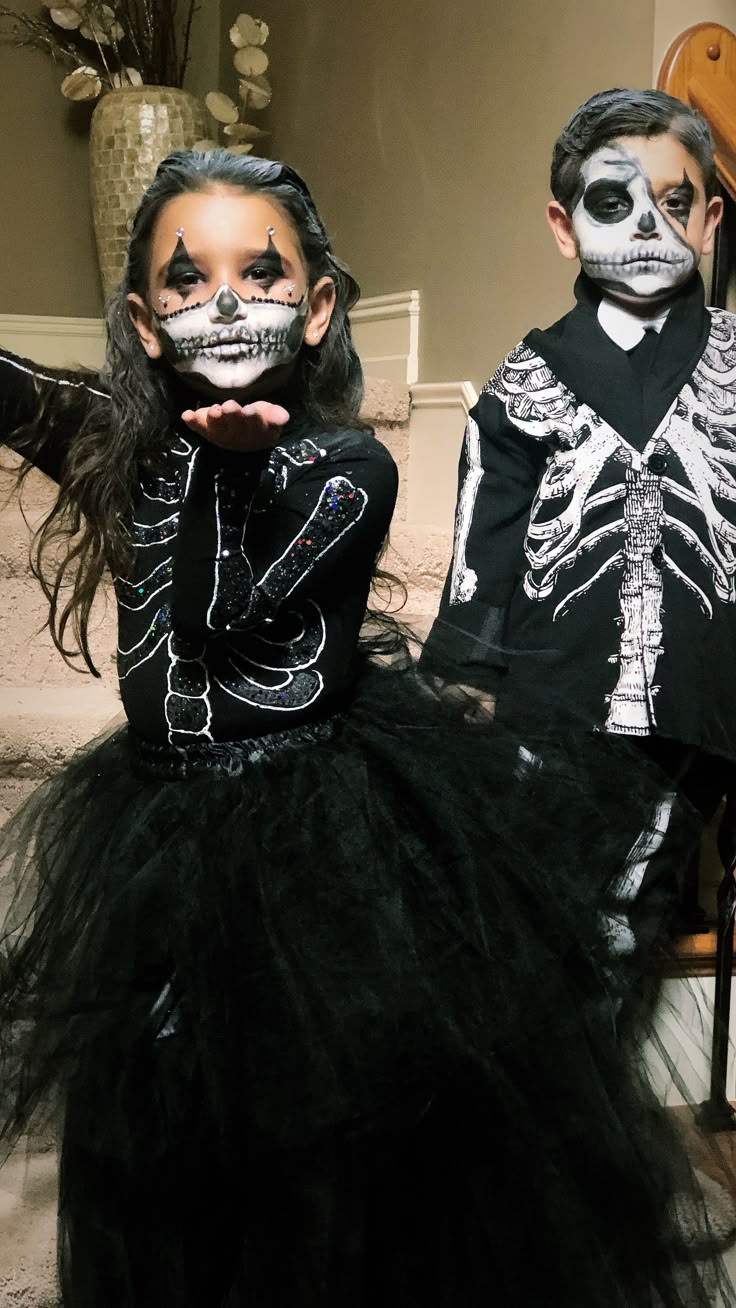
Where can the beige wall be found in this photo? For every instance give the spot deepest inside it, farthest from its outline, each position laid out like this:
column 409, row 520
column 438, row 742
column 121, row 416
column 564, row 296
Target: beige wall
column 207, row 38
column 425, row 130
column 46, row 237
column 49, row 260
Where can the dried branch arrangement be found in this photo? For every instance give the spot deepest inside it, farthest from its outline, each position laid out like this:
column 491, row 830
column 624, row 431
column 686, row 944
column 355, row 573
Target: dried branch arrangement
column 248, row 36
column 128, row 43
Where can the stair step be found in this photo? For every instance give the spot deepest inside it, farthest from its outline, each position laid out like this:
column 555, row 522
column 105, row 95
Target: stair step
column 29, row 655
column 419, row 556
column 41, row 728
column 38, row 491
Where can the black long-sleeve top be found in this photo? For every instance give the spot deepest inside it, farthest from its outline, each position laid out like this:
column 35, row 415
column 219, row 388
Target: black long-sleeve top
column 251, row 573
column 595, row 536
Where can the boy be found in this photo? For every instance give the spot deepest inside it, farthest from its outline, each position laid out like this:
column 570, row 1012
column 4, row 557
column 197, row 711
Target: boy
column 594, row 560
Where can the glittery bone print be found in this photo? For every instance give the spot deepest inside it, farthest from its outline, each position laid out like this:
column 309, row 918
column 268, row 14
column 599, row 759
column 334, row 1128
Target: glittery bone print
column 138, row 594
column 239, row 600
column 188, row 709
column 277, row 672
column 155, row 634
column 271, row 649
column 187, row 705
column 162, row 490
column 282, row 464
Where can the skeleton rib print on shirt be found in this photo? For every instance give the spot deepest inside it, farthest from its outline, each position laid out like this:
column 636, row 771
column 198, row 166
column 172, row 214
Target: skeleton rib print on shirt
column 604, row 504
column 232, row 612
column 251, row 572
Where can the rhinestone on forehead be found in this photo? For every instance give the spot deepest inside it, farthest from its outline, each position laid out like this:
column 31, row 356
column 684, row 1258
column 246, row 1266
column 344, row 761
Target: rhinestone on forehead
column 266, row 299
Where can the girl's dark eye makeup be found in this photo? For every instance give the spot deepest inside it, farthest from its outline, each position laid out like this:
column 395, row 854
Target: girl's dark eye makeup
column 260, row 273
column 182, row 275
column 185, row 282
column 181, row 270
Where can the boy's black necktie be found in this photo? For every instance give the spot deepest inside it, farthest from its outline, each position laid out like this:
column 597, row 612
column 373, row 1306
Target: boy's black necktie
column 642, row 355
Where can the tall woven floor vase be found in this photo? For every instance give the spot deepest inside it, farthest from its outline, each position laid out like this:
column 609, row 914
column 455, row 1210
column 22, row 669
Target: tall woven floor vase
column 132, row 130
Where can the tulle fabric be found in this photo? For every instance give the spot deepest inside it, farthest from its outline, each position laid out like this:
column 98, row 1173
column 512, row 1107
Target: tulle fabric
column 334, row 1019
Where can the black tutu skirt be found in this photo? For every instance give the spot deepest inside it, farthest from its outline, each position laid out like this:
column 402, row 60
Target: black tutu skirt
column 331, row 1018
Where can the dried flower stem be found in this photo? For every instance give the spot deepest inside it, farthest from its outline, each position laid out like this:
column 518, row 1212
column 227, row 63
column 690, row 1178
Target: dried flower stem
column 186, row 42
column 96, row 16
column 36, row 34
column 156, row 40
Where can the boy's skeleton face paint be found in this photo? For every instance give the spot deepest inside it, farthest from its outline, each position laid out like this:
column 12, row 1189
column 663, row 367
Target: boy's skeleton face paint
column 629, row 242
column 228, row 343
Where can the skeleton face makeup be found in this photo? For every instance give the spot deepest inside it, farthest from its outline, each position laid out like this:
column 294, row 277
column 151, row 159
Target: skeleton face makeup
column 229, row 343
column 228, row 301
column 632, row 232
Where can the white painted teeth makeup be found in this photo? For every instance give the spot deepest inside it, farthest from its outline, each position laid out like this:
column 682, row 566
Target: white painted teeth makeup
column 228, row 342
column 626, row 242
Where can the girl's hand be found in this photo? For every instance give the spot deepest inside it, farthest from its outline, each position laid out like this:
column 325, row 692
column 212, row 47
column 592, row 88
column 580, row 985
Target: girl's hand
column 241, row 427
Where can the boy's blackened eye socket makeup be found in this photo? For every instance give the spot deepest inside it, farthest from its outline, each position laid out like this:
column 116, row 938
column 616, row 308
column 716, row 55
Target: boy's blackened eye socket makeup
column 608, row 201
column 679, row 202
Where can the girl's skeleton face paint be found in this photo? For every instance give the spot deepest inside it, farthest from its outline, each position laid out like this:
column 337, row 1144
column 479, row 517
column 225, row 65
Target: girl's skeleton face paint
column 632, row 241
column 224, row 321
column 229, row 343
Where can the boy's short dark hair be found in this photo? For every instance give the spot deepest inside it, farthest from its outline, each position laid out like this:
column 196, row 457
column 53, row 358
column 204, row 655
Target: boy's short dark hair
column 614, row 113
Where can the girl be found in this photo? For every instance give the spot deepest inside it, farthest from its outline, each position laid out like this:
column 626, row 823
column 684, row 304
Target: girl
column 281, row 952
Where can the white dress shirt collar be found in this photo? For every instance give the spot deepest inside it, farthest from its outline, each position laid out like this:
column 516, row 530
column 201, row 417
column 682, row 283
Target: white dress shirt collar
column 624, row 327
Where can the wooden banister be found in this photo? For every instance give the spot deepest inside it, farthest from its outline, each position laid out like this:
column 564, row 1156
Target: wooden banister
column 700, row 68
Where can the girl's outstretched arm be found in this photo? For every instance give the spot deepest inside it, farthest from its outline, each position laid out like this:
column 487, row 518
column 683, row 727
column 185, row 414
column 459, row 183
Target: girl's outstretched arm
column 40, row 409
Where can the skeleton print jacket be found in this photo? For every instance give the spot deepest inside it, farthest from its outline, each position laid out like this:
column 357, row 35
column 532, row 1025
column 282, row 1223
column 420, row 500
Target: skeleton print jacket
column 596, row 525
column 251, row 574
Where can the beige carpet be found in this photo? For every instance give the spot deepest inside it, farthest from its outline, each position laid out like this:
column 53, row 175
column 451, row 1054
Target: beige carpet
column 28, row 1185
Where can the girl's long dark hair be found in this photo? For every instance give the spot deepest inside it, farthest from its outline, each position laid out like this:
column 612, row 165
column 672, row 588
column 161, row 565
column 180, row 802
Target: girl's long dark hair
column 86, row 532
